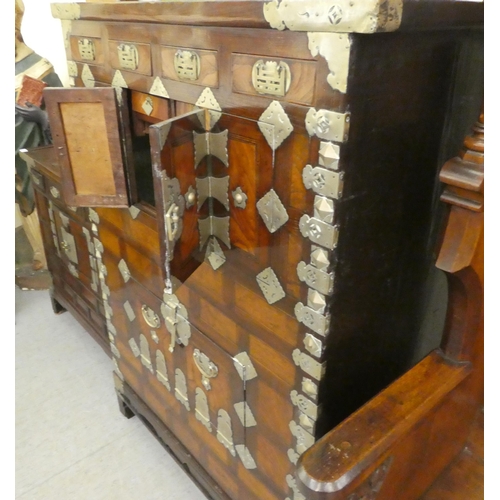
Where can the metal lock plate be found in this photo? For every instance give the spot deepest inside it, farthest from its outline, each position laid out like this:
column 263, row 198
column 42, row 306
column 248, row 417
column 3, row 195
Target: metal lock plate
column 201, row 410
column 86, row 48
column 187, row 64
column 225, row 431
column 312, row 319
column 271, row 77
column 128, row 56
column 207, row 368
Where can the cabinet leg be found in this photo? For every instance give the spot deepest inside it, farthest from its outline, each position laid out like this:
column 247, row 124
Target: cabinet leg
column 124, row 408
column 56, row 306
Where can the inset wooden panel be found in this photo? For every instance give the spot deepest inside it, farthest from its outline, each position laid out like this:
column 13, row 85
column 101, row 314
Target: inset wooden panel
column 91, row 166
column 130, row 56
column 87, row 136
column 302, row 77
column 207, row 74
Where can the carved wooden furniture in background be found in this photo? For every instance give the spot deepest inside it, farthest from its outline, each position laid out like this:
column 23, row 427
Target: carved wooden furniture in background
column 258, row 185
column 397, row 444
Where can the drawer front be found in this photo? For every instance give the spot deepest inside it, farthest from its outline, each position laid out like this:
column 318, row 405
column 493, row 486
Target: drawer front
column 130, row 56
column 205, row 381
column 190, row 65
column 278, row 78
column 86, row 49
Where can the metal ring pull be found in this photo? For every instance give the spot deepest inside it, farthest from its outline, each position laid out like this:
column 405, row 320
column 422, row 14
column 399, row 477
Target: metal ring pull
column 150, row 317
column 207, row 368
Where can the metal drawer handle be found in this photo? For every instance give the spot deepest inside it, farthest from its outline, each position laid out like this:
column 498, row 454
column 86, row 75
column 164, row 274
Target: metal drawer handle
column 150, row 317
column 207, row 368
column 172, row 221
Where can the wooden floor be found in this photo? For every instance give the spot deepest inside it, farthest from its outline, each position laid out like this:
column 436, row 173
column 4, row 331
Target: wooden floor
column 464, row 478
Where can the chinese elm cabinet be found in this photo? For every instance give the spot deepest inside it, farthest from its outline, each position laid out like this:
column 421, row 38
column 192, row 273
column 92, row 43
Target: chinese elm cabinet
column 259, row 180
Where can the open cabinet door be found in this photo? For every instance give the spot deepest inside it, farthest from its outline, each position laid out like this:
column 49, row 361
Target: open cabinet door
column 92, row 144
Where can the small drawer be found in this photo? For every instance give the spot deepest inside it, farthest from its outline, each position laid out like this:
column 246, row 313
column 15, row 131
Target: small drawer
column 292, row 80
column 38, row 180
column 130, row 56
column 190, row 65
column 86, row 49
column 154, row 107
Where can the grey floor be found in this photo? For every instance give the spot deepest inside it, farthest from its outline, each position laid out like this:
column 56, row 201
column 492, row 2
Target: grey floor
column 71, row 442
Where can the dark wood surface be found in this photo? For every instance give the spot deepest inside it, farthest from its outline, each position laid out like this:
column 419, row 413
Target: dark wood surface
column 415, row 448
column 400, row 95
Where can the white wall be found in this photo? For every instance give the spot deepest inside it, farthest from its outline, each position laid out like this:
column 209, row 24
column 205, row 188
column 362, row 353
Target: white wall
column 44, row 35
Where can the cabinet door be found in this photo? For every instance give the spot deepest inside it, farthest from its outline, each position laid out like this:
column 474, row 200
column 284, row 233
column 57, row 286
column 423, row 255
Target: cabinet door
column 92, row 144
column 212, row 184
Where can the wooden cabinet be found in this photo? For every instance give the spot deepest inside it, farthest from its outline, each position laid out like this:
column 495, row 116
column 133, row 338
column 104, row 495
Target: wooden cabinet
column 259, row 187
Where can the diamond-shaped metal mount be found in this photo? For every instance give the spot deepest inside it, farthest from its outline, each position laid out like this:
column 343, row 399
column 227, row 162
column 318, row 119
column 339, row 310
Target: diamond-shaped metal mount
column 270, row 285
column 272, row 211
column 323, row 209
column 275, row 125
column 87, row 77
column 214, row 254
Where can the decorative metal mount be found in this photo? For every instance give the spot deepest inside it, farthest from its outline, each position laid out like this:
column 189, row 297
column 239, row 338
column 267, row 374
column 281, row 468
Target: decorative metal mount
column 213, row 187
column 210, row 143
column 128, row 56
column 181, row 388
column 344, row 16
column 275, row 125
column 271, row 77
column 208, row 101
column 202, row 412
column 187, row 64
column 176, row 320
column 240, row 198
column 86, row 48
column 270, row 285
column 318, row 231
column 214, row 254
column 225, row 431
column 272, row 211
column 313, row 368
column 327, row 125
column 214, row 226
column 314, row 320
column 323, row 181
column 207, row 368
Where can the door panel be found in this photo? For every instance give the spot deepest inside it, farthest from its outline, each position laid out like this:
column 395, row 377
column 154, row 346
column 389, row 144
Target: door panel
column 88, row 129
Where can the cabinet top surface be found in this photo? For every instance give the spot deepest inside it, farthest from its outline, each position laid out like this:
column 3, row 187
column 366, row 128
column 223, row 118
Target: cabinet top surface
column 339, row 16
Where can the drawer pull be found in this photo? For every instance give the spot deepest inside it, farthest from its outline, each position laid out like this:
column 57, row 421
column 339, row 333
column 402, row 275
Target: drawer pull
column 150, row 317
column 207, row 368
